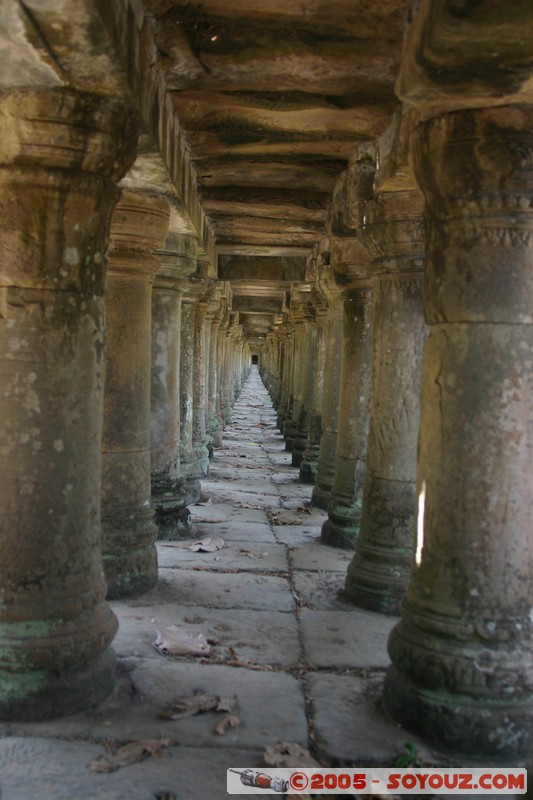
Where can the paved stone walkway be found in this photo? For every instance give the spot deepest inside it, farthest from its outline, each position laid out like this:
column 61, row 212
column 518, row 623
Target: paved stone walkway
column 305, row 666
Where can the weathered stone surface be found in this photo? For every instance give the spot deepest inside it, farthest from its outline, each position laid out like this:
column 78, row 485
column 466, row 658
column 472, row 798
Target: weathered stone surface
column 51, row 769
column 169, row 481
column 241, row 635
column 212, row 589
column 139, row 226
column 394, row 233
column 462, row 659
column 57, row 200
column 356, row 639
column 341, row 529
column 350, row 724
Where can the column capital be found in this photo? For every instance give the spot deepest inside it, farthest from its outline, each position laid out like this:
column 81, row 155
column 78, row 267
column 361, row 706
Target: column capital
column 138, row 227
column 393, row 231
column 61, row 128
column 475, row 169
column 177, row 260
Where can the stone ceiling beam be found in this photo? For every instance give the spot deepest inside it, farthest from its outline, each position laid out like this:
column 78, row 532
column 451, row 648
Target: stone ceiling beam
column 260, row 268
column 258, row 304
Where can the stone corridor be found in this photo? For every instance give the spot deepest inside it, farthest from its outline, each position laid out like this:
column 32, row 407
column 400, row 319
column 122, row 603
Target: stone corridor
column 306, row 667
column 340, row 193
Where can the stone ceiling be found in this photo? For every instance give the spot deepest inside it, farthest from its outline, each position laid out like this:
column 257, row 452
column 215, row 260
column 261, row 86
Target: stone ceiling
column 254, row 107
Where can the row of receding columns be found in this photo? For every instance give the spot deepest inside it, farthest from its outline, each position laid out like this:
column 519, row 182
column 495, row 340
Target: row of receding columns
column 425, row 449
column 119, row 373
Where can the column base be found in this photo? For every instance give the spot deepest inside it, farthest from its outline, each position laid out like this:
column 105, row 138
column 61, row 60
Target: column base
column 321, row 497
column 379, row 573
column 130, row 574
column 200, row 460
column 308, row 471
column 173, row 523
column 464, row 724
column 39, row 695
column 169, row 501
column 340, row 532
column 376, row 584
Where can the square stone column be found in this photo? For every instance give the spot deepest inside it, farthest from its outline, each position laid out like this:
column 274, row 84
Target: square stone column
column 61, row 155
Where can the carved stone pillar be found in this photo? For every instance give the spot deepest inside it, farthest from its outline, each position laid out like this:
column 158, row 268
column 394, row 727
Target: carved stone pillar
column 194, row 288
column 308, row 466
column 344, row 510
column 462, row 671
column 138, row 227
column 199, row 436
column 287, row 332
column 394, row 232
column 61, row 154
column 307, row 372
column 221, row 360
column 213, row 423
column 169, row 482
column 325, row 471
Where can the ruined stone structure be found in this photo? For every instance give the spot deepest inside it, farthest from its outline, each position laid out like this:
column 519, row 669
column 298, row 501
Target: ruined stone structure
column 342, row 190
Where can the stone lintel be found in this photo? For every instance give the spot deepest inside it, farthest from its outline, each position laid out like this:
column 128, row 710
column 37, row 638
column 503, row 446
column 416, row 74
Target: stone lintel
column 467, row 55
column 261, row 268
column 258, row 304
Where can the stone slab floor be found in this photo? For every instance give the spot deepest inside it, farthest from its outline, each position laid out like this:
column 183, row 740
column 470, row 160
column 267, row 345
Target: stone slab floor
column 305, row 667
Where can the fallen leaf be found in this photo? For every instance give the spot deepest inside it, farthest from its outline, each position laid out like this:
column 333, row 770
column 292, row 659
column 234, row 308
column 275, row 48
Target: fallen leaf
column 288, row 754
column 172, row 640
column 207, row 545
column 228, row 722
column 204, row 501
column 227, row 703
column 303, row 510
column 191, row 704
column 130, row 754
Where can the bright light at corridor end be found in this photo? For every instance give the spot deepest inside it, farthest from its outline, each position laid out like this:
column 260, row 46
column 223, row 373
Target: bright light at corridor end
column 420, row 523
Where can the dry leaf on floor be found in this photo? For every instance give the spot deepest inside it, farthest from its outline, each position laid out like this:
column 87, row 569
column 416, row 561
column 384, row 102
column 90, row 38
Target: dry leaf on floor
column 191, row 704
column 228, row 722
column 288, row 754
column 204, row 501
column 208, row 545
column 130, row 754
column 172, row 640
column 303, row 510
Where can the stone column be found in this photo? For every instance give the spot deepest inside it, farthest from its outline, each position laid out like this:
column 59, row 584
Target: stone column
column 61, row 154
column 325, row 472
column 308, row 355
column 213, row 424
column 138, row 227
column 199, row 436
column 169, row 482
column 287, row 332
column 394, row 232
column 194, row 288
column 308, row 466
column 462, row 671
column 221, row 359
column 341, row 529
